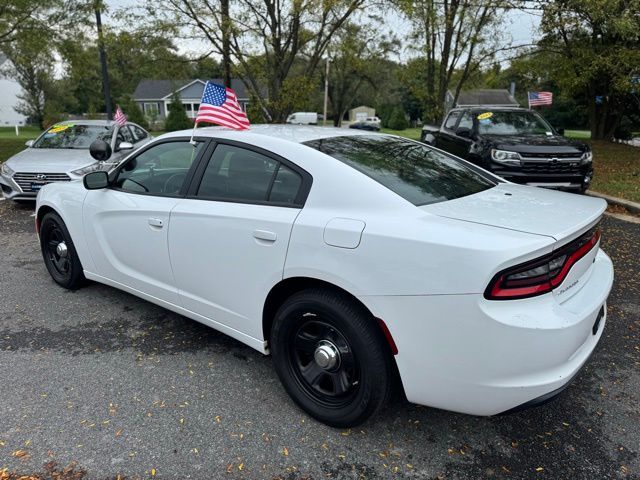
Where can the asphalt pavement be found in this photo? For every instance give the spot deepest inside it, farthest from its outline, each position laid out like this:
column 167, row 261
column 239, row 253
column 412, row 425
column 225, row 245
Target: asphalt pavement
column 98, row 384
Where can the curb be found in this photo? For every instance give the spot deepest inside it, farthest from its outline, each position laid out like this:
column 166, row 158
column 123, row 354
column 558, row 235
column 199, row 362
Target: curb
column 629, row 205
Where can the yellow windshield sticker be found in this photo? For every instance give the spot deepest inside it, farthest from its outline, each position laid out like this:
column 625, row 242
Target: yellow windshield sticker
column 485, row 115
column 59, row 128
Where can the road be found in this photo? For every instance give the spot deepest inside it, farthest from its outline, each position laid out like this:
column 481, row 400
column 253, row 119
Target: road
column 111, row 385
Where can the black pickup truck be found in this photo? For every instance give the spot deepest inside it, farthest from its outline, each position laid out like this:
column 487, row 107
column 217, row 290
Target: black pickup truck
column 515, row 143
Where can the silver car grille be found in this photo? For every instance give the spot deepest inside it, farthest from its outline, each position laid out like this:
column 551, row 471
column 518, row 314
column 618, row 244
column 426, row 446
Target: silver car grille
column 24, row 180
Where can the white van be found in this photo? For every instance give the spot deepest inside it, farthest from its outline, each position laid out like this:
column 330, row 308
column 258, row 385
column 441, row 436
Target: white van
column 303, row 118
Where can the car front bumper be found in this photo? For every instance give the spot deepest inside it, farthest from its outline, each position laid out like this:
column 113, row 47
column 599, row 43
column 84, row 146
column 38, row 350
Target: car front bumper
column 12, row 191
column 562, row 180
column 471, row 355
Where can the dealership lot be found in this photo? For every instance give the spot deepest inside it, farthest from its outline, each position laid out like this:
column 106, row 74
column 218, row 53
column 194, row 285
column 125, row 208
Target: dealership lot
column 122, row 387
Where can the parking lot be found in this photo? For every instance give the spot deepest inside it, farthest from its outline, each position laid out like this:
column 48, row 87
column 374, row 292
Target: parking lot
column 121, row 388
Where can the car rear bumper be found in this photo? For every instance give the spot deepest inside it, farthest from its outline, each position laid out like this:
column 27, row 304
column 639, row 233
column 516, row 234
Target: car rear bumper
column 471, row 355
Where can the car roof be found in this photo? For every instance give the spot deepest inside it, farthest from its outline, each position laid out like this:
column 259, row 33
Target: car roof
column 100, row 123
column 484, row 108
column 291, row 133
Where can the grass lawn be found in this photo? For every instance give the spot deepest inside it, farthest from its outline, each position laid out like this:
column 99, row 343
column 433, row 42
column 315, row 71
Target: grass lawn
column 412, row 133
column 616, row 170
column 580, row 134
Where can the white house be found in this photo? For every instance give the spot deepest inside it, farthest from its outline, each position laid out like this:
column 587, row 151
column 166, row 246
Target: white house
column 9, row 91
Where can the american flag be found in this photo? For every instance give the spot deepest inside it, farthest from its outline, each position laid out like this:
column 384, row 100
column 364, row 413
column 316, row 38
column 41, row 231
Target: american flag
column 120, row 118
column 220, row 105
column 540, row 98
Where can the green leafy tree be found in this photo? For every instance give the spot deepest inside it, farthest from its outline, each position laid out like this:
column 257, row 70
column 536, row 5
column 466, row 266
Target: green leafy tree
column 455, row 39
column 177, row 118
column 594, row 49
column 133, row 112
column 398, row 119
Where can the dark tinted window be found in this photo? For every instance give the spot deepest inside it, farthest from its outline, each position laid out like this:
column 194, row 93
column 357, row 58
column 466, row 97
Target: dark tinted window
column 410, row 169
column 162, row 169
column 285, row 186
column 239, row 174
column 451, row 120
column 124, row 135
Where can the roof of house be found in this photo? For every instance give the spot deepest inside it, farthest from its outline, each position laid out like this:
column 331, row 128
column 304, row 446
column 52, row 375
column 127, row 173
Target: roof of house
column 485, row 97
column 149, row 89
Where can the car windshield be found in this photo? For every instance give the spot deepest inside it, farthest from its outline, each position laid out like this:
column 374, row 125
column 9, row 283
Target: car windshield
column 511, row 123
column 414, row 171
column 69, row 135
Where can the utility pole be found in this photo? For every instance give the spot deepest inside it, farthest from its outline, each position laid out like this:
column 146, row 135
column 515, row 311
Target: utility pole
column 226, row 42
column 326, row 91
column 106, row 90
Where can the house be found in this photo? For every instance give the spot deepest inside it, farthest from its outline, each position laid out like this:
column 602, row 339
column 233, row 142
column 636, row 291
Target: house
column 361, row 113
column 154, row 96
column 472, row 98
column 9, row 91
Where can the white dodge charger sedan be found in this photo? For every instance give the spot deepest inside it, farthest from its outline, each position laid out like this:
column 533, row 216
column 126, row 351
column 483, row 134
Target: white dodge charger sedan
column 361, row 262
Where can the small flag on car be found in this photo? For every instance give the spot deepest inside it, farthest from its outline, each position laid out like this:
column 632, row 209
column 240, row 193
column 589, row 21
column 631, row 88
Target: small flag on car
column 540, row 98
column 220, row 105
column 120, row 118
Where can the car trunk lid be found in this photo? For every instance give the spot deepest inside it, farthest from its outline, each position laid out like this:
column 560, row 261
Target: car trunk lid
column 525, row 209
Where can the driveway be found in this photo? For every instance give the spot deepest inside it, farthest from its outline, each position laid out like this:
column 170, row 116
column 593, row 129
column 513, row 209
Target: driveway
column 115, row 387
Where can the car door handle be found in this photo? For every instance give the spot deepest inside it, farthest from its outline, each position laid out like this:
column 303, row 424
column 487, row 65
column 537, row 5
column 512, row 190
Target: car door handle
column 265, row 235
column 156, row 222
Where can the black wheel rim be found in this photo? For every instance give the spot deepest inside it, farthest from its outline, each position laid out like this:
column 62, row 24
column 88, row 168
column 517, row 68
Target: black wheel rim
column 334, row 385
column 52, row 238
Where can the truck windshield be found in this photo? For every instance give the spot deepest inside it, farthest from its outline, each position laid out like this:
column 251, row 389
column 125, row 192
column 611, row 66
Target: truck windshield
column 68, row 135
column 512, row 123
column 412, row 170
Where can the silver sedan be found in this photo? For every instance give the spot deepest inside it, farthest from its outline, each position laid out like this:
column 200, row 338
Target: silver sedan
column 61, row 154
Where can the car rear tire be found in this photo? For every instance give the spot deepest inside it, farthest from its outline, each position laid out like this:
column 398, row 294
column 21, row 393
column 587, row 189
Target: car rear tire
column 59, row 253
column 331, row 357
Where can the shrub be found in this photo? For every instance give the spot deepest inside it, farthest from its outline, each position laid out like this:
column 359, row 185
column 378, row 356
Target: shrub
column 398, row 119
column 177, row 118
column 133, row 112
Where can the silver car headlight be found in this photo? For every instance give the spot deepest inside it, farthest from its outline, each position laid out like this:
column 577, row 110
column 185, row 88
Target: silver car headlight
column 587, row 157
column 6, row 170
column 81, row 172
column 505, row 156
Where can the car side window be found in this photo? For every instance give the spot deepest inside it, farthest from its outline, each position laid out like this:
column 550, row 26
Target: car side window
column 466, row 121
column 160, row 170
column 124, row 135
column 138, row 133
column 451, row 120
column 239, row 174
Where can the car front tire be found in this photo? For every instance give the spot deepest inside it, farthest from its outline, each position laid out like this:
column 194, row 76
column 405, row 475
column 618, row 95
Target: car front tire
column 59, row 252
column 331, row 357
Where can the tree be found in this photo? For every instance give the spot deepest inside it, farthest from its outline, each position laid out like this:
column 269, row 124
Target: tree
column 357, row 52
column 594, row 49
column 133, row 112
column 32, row 68
column 177, row 118
column 398, row 119
column 266, row 37
column 453, row 36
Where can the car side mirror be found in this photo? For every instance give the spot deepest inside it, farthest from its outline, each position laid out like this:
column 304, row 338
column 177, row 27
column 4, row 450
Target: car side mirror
column 29, row 143
column 125, row 146
column 100, row 150
column 464, row 132
column 96, row 180
column 560, row 131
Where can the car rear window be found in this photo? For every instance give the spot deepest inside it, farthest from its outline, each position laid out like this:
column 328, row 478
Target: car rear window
column 414, row 171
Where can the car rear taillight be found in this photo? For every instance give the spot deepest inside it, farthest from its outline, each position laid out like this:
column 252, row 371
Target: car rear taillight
column 543, row 274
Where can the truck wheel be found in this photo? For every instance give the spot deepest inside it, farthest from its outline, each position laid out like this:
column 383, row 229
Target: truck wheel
column 331, row 357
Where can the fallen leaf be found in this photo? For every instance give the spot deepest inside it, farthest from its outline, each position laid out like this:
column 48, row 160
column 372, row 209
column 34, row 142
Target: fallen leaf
column 285, row 451
column 153, row 472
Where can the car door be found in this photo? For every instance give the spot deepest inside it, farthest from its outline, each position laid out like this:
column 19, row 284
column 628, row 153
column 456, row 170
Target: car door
column 228, row 239
column 446, row 137
column 126, row 225
column 461, row 142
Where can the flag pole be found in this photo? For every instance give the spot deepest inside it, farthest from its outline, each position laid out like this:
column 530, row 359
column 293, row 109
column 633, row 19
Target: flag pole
column 529, row 100
column 195, row 120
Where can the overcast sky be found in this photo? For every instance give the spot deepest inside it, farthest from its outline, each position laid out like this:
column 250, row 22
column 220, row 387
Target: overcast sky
column 520, row 27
